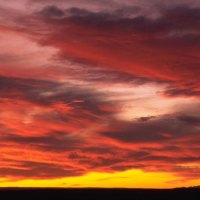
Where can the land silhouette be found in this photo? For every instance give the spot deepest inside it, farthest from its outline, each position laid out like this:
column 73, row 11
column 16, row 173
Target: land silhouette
column 191, row 193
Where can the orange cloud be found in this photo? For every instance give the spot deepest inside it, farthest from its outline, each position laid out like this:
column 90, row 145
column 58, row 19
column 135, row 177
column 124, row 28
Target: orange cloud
column 89, row 92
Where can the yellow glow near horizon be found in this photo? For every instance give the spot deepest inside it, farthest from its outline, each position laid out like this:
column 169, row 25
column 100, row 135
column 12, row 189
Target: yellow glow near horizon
column 126, row 179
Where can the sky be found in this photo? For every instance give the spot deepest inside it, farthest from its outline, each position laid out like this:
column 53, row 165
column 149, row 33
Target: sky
column 99, row 93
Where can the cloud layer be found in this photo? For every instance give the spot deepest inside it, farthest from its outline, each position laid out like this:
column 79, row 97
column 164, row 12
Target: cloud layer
column 99, row 86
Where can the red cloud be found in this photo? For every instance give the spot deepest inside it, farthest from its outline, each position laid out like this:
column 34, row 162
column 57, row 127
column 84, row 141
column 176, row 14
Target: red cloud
column 165, row 48
column 56, row 120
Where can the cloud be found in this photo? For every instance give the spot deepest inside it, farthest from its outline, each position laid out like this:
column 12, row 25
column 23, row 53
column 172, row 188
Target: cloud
column 46, row 93
column 52, row 11
column 55, row 141
column 172, row 19
column 190, row 119
column 38, row 170
column 31, row 55
column 99, row 89
column 87, row 15
column 175, row 92
column 155, row 130
column 131, row 39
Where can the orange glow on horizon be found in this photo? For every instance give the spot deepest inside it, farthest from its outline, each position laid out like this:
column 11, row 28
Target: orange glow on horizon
column 126, row 179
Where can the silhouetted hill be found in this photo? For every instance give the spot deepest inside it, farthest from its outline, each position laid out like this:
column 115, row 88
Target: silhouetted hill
column 192, row 193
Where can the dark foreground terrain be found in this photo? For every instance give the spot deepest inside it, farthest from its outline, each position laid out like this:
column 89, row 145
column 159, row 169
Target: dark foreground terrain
column 88, row 193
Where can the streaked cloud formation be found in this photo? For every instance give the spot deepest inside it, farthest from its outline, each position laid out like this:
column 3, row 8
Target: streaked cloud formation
column 99, row 86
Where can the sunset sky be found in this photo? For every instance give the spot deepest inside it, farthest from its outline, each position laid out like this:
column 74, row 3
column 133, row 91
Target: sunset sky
column 100, row 93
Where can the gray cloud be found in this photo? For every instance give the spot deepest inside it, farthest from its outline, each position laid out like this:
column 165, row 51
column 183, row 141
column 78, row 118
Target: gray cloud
column 155, row 130
column 38, row 170
column 47, row 93
column 53, row 141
